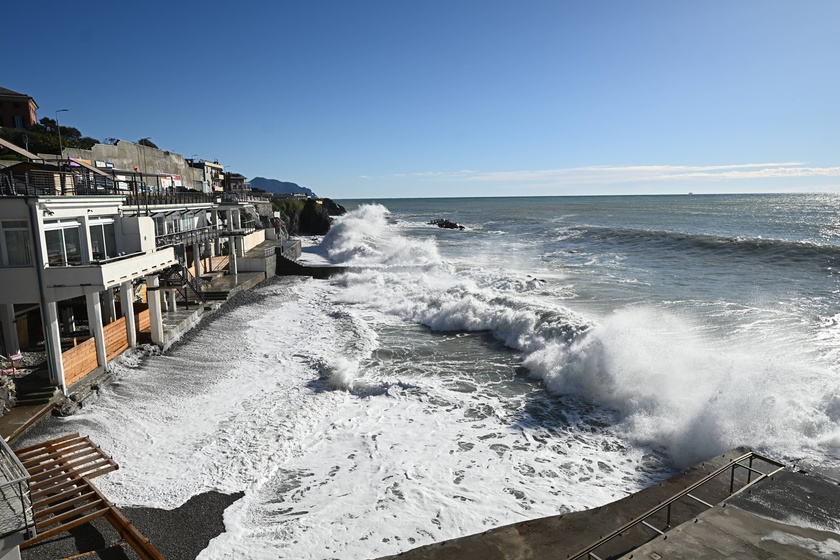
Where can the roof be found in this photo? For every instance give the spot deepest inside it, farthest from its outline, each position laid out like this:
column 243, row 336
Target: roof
column 6, row 92
column 19, row 150
column 89, row 167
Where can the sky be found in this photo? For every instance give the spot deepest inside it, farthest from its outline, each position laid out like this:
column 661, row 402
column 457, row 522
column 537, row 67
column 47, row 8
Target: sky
column 428, row 98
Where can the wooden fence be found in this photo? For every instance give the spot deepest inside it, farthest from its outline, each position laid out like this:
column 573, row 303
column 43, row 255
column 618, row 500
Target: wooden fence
column 79, row 361
column 142, row 320
column 116, row 338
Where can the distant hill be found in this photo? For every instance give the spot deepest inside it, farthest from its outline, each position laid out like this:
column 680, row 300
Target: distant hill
column 280, row 187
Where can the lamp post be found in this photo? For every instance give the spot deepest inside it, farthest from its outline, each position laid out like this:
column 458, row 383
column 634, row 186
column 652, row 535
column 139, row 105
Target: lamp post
column 145, row 186
column 58, row 128
column 60, row 151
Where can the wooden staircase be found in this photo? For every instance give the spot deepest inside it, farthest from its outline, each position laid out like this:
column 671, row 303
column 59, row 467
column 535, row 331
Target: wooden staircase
column 63, row 497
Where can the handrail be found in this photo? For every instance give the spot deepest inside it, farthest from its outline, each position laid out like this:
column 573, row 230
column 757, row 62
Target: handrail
column 642, row 519
column 15, row 474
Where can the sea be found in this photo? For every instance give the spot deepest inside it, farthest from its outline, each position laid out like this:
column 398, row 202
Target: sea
column 553, row 355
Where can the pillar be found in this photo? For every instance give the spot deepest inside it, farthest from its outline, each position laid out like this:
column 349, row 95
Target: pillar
column 197, row 260
column 52, row 340
column 233, row 267
column 171, row 301
column 155, row 314
column 10, row 336
column 68, row 319
column 127, row 304
column 94, row 311
column 110, row 305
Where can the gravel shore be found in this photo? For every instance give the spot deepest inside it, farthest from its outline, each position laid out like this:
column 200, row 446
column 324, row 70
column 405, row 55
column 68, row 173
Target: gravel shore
column 178, row 534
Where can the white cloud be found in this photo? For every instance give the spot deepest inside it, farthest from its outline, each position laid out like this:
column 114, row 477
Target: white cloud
column 638, row 178
column 614, row 174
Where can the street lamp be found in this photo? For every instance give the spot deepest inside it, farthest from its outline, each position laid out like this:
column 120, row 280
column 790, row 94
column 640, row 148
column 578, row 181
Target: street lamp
column 58, row 127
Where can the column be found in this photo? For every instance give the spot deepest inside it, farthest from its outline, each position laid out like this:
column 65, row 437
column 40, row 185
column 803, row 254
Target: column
column 110, row 305
column 233, row 268
column 155, row 314
column 171, row 301
column 127, row 304
column 197, row 259
column 52, row 340
column 68, row 319
column 10, row 335
column 94, row 311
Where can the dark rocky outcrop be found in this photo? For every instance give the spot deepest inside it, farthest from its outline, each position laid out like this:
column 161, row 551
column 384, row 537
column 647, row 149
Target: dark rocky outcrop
column 442, row 223
column 310, row 216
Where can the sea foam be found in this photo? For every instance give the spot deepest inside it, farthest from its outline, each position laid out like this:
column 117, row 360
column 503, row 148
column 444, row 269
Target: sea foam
column 674, row 386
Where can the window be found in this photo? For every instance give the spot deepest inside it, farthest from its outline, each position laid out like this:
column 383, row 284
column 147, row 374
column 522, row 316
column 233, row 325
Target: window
column 15, row 243
column 63, row 243
column 18, row 122
column 103, row 241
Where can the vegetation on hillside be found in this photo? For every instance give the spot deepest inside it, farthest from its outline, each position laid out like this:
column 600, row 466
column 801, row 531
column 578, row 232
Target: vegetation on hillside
column 43, row 137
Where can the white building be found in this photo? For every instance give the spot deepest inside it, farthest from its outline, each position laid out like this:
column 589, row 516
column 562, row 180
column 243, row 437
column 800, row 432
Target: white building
column 73, row 269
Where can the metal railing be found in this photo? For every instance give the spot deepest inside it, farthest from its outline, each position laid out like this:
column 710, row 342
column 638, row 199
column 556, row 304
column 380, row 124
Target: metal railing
column 16, row 513
column 642, row 520
column 37, row 182
column 143, row 200
column 189, row 236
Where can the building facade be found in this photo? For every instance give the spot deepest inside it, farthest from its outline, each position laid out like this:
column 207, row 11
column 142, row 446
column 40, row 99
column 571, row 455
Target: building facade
column 17, row 110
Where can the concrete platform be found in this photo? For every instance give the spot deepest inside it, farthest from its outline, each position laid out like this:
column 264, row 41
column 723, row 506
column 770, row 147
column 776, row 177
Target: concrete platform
column 794, row 514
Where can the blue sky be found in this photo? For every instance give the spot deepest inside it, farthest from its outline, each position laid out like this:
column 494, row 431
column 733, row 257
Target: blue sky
column 373, row 99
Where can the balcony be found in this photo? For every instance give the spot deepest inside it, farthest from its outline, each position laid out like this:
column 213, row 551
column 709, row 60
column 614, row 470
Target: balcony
column 98, row 276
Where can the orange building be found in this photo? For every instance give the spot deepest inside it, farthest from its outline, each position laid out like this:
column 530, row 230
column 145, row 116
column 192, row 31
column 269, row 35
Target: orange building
column 17, row 110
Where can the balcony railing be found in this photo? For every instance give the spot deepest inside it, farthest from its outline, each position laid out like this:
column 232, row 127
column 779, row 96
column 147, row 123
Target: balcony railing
column 57, row 183
column 16, row 514
column 143, row 200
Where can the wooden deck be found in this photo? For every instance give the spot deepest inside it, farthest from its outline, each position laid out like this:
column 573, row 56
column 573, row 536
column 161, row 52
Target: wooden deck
column 63, row 496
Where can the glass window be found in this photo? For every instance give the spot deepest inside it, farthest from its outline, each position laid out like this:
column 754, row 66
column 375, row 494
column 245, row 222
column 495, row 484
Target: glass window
column 55, row 247
column 110, row 240
column 63, row 243
column 72, row 245
column 103, row 240
column 97, row 243
column 19, row 248
column 15, row 243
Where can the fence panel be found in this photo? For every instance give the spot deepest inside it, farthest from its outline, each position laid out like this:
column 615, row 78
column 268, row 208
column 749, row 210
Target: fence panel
column 116, row 338
column 79, row 361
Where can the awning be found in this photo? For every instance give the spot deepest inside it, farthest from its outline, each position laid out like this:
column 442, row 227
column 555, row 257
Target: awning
column 89, row 167
column 19, row 150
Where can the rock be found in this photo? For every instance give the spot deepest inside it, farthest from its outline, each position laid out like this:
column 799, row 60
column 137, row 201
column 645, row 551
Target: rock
column 7, row 394
column 442, row 223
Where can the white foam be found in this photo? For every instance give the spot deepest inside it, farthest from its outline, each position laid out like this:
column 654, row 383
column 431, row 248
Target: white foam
column 674, row 384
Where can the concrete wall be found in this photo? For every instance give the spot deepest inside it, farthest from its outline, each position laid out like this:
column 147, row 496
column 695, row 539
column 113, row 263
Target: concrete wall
column 252, row 240
column 258, row 264
column 125, row 155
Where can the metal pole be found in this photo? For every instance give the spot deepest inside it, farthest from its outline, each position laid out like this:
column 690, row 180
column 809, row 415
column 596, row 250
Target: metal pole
column 60, row 147
column 58, row 128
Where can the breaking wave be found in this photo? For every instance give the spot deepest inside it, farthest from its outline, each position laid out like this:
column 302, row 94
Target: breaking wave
column 674, row 387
